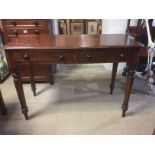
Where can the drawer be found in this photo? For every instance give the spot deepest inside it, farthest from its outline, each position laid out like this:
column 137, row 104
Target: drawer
column 22, row 22
column 25, row 31
column 91, row 56
column 45, row 56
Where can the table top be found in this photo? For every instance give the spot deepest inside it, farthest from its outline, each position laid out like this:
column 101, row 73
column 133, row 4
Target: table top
column 72, row 41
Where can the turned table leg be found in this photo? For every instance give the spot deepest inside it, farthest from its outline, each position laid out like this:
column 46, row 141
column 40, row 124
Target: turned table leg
column 31, row 73
column 51, row 74
column 114, row 71
column 128, row 87
column 3, row 109
column 20, row 92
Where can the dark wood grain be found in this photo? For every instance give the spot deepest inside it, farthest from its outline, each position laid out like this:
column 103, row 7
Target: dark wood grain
column 128, row 88
column 73, row 49
column 15, row 28
column 114, row 72
column 31, row 72
column 72, row 42
column 20, row 92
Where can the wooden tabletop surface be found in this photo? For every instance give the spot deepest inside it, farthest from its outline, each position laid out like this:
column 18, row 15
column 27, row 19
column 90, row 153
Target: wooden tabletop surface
column 72, row 41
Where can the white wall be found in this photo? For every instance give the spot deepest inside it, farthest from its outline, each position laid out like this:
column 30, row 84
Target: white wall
column 133, row 22
column 114, row 26
column 55, row 27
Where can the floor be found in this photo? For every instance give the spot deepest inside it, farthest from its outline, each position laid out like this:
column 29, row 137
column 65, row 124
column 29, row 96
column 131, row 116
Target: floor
column 79, row 103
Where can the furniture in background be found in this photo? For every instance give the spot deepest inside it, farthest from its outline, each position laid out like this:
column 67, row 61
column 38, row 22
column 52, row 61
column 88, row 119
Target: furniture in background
column 77, row 26
column 140, row 34
column 3, row 109
column 14, row 29
column 4, row 71
column 80, row 26
column 72, row 49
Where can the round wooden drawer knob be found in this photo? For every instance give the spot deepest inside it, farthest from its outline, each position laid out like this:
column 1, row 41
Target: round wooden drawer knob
column 122, row 55
column 15, row 32
column 88, row 56
column 61, row 57
column 26, row 57
column 36, row 32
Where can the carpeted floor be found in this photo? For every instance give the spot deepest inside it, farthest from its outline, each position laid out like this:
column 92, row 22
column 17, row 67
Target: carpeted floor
column 79, row 103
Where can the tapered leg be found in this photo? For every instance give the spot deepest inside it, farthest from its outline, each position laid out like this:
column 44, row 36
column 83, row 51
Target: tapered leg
column 20, row 92
column 31, row 73
column 128, row 87
column 51, row 75
column 3, row 109
column 125, row 70
column 114, row 71
column 54, row 68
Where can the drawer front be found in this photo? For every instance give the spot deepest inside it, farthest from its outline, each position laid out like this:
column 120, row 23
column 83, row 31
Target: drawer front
column 45, row 56
column 71, row 57
column 25, row 31
column 22, row 22
column 18, row 27
column 103, row 56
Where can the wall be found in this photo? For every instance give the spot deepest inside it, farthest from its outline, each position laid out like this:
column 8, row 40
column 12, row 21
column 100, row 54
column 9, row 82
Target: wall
column 114, row 26
column 55, row 27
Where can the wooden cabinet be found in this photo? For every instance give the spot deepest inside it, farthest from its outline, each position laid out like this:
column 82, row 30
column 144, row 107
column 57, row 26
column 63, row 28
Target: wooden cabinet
column 4, row 72
column 14, row 28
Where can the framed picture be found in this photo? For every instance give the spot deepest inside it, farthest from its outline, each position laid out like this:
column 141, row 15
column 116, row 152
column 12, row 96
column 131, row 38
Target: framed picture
column 92, row 27
column 77, row 28
column 62, row 27
column 76, row 20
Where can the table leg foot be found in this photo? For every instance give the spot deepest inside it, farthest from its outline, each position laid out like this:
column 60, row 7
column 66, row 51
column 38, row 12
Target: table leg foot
column 25, row 112
column 124, row 109
column 123, row 113
column 111, row 88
